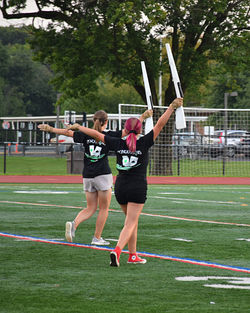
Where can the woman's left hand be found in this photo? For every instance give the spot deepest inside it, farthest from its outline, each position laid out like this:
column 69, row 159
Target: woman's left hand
column 75, row 126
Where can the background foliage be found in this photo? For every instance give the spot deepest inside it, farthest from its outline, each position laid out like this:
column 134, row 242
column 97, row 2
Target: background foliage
column 87, row 42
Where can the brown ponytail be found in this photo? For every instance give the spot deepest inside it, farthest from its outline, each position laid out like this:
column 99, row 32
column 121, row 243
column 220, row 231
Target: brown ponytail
column 100, row 118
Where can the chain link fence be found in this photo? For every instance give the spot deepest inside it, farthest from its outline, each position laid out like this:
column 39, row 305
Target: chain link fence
column 204, row 148
column 214, row 143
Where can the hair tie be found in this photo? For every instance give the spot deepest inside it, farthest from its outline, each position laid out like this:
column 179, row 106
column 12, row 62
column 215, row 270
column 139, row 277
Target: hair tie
column 133, row 132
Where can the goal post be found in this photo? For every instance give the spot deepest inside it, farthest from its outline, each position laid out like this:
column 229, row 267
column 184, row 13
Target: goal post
column 199, row 149
column 160, row 161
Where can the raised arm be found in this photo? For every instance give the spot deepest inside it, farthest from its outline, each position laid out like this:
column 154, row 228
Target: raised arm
column 59, row 131
column 166, row 115
column 88, row 131
column 142, row 118
column 145, row 115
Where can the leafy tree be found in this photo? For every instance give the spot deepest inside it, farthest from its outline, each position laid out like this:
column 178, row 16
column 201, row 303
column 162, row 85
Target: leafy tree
column 105, row 97
column 12, row 35
column 89, row 38
column 24, row 84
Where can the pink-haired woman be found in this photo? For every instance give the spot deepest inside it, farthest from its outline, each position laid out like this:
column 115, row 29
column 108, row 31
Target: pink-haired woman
column 131, row 182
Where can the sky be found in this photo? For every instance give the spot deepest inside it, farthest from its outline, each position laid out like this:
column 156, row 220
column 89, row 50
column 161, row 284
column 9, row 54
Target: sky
column 31, row 6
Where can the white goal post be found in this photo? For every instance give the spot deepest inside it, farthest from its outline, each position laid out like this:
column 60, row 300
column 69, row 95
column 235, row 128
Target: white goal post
column 197, row 150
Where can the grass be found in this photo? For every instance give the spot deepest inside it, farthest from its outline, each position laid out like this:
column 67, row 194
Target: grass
column 40, row 277
column 18, row 165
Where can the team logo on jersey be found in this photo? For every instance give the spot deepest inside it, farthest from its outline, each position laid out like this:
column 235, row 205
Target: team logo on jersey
column 128, row 162
column 95, row 153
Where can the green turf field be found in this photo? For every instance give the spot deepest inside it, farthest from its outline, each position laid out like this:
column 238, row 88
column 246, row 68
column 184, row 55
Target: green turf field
column 38, row 277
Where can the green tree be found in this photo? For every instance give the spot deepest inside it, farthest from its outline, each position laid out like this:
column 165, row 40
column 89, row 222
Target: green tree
column 89, row 38
column 105, row 97
column 24, row 84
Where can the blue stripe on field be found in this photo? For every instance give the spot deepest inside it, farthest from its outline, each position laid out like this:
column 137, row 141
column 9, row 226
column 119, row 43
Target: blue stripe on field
column 146, row 254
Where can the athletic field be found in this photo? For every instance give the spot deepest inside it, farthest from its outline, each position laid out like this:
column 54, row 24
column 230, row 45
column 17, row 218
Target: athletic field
column 196, row 240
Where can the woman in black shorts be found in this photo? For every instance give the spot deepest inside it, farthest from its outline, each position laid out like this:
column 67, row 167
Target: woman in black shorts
column 97, row 176
column 131, row 182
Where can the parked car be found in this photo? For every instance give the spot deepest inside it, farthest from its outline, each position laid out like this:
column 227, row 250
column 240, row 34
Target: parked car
column 232, row 142
column 65, row 143
column 244, row 145
column 183, row 143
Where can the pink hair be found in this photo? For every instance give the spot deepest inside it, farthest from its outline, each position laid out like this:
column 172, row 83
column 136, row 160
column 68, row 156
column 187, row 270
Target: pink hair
column 132, row 124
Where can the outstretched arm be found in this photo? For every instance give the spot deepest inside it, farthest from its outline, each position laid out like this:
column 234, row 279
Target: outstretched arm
column 59, row 131
column 88, row 131
column 162, row 121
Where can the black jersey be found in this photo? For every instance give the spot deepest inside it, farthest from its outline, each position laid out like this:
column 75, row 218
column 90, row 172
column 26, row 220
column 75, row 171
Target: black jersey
column 96, row 154
column 131, row 163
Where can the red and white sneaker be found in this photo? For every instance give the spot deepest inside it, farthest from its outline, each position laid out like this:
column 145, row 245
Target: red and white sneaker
column 114, row 259
column 135, row 259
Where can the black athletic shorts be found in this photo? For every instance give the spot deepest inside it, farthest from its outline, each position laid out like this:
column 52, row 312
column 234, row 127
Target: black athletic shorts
column 130, row 189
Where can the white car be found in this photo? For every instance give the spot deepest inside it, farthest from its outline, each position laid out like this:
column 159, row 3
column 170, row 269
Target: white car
column 233, row 141
column 65, row 142
column 233, row 136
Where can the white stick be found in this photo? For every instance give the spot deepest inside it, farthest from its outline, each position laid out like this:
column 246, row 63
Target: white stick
column 149, row 121
column 180, row 120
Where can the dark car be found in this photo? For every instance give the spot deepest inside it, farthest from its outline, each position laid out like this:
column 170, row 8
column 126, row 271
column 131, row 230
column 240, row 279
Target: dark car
column 244, row 145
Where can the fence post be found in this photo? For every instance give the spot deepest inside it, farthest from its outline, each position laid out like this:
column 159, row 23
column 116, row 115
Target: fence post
column 4, row 159
column 178, row 156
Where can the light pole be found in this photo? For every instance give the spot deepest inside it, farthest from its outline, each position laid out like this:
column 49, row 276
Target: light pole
column 226, row 95
column 160, row 76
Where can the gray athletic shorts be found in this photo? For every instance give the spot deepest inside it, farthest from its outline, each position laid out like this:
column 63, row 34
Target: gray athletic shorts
column 98, row 183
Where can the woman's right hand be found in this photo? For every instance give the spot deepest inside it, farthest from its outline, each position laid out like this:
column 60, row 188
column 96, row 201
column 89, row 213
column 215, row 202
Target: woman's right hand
column 178, row 102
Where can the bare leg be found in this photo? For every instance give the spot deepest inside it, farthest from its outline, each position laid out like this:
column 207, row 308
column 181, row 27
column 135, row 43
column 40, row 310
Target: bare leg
column 133, row 240
column 104, row 198
column 129, row 231
column 83, row 215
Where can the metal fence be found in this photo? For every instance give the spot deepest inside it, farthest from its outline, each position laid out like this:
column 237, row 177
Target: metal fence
column 211, row 144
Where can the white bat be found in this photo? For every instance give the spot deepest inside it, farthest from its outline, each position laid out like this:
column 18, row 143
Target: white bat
column 149, row 121
column 180, row 120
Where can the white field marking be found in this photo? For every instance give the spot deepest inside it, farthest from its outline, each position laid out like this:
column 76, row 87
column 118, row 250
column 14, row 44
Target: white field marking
column 174, row 193
column 119, row 211
column 244, row 239
column 178, row 202
column 202, row 188
column 111, row 239
column 231, row 282
column 227, row 286
column 58, row 239
column 196, row 200
column 37, row 192
column 41, row 204
column 182, row 239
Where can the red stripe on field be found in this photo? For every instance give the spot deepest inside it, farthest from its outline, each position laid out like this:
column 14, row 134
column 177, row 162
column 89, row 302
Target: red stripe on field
column 163, row 180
